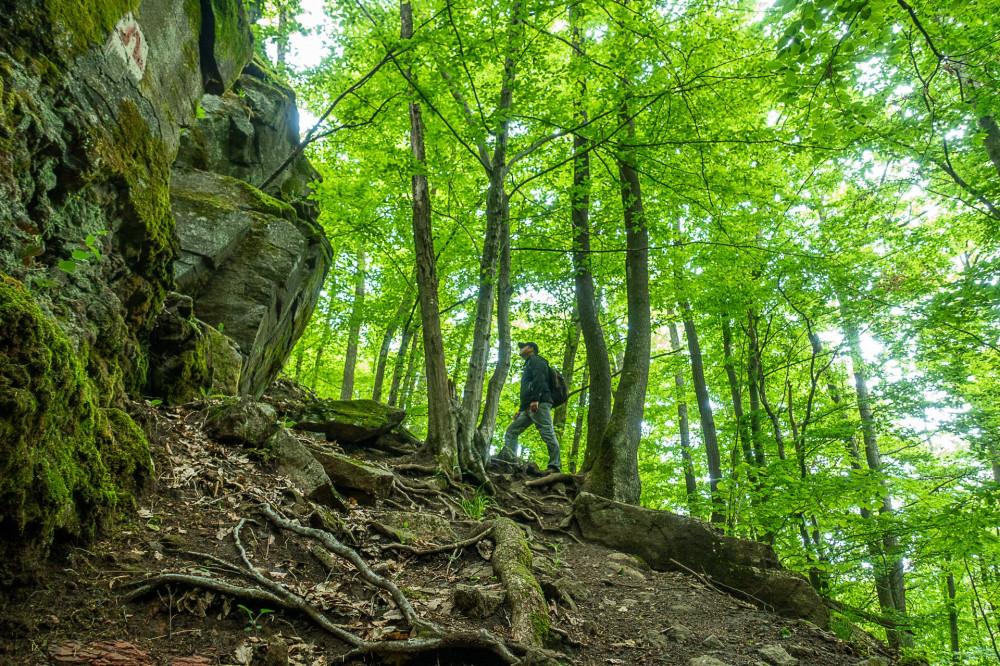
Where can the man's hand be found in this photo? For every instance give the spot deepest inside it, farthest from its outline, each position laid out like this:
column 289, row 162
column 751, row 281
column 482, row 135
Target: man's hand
column 516, row 414
column 534, row 406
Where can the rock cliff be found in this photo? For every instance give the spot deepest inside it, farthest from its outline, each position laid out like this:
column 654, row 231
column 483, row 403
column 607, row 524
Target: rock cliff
column 133, row 138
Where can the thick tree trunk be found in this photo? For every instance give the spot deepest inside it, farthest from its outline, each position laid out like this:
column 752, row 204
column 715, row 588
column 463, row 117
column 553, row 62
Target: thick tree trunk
column 705, row 413
column 889, row 581
column 598, row 365
column 487, row 425
column 683, row 425
column 354, row 331
column 440, row 428
column 615, row 473
column 568, row 361
column 992, row 141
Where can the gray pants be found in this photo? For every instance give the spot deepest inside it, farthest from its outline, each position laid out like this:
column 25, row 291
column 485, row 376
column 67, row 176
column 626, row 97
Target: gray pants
column 543, row 422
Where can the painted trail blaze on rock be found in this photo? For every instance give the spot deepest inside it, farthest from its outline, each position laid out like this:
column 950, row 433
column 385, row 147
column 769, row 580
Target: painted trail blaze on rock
column 128, row 43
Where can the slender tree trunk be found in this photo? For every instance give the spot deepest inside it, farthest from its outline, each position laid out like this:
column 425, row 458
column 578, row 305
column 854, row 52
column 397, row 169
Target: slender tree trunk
column 956, row 650
column 754, row 380
column 354, row 332
column 440, row 428
column 487, row 425
column 400, row 364
column 992, row 140
column 581, row 407
column 705, row 413
column 282, row 41
column 598, row 365
column 735, row 390
column 680, row 395
column 383, row 352
column 891, row 584
column 568, row 361
column 615, row 473
column 470, row 456
column 410, row 380
column 300, row 354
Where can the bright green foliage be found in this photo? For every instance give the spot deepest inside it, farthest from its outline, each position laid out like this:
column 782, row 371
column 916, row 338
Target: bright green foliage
column 805, row 166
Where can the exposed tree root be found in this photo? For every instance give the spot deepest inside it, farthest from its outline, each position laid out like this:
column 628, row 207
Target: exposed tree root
column 550, row 480
column 204, row 583
column 482, row 640
column 512, row 561
column 342, row 551
column 439, row 549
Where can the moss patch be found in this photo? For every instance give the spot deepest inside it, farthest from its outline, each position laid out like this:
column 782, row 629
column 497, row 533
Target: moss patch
column 146, row 238
column 63, row 460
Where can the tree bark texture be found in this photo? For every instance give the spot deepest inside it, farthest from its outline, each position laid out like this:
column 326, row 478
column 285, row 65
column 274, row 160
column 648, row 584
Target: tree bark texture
column 598, row 365
column 705, row 414
column 354, row 330
column 440, row 429
column 581, row 407
column 487, row 425
column 568, row 361
column 890, row 583
column 615, row 473
column 470, row 456
column 684, row 426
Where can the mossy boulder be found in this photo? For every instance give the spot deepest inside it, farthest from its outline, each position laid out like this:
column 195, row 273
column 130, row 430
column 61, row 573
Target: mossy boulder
column 188, row 358
column 248, row 132
column 295, row 461
column 368, row 481
column 65, row 463
column 251, row 265
column 349, row 421
column 663, row 539
column 241, row 421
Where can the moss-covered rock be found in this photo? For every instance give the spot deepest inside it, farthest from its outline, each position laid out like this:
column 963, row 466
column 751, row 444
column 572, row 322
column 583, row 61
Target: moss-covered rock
column 250, row 264
column 349, row 421
column 65, row 463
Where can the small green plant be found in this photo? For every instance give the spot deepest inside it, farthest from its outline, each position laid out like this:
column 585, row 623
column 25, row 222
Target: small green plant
column 155, row 402
column 210, row 394
column 476, row 507
column 786, row 632
column 285, row 422
column 82, row 256
column 253, row 621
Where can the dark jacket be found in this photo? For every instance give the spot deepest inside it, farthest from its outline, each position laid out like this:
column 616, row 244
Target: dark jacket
column 535, row 382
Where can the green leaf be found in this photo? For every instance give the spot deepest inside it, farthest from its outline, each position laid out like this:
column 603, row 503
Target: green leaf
column 67, row 266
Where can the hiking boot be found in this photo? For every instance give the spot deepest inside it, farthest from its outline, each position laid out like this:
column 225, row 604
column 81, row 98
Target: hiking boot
column 552, row 469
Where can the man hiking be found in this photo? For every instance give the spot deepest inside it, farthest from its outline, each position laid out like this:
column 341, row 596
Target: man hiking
column 535, row 407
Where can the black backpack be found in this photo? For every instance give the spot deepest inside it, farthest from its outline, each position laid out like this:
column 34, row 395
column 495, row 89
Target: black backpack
column 557, row 387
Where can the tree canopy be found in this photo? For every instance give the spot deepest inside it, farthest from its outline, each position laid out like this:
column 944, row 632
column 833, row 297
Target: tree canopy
column 813, row 190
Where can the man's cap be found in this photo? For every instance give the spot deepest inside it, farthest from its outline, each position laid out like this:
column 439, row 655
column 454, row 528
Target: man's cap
column 522, row 345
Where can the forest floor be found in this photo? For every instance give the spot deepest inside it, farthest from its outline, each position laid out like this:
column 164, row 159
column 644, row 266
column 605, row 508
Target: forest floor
column 605, row 607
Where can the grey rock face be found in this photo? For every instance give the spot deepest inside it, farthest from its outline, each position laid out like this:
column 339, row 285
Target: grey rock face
column 409, row 526
column 349, row 421
column 295, row 462
column 706, row 661
column 476, row 602
column 242, row 421
column 776, row 655
column 737, row 563
column 369, row 480
column 250, row 264
column 247, row 133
